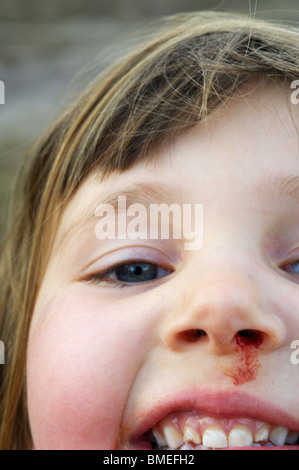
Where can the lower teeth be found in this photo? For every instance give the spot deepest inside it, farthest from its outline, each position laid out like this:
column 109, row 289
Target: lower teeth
column 189, row 430
column 191, row 446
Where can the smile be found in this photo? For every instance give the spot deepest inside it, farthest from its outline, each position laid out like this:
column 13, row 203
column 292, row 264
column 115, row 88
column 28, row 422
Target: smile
column 198, row 419
column 190, row 430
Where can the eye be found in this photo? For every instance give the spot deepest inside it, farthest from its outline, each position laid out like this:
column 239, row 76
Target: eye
column 292, row 268
column 136, row 272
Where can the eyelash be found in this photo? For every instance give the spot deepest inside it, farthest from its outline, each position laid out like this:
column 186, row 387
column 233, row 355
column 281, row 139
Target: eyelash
column 102, row 277
column 291, row 264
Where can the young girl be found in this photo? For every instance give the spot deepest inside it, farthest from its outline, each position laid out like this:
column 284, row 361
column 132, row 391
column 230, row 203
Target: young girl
column 137, row 342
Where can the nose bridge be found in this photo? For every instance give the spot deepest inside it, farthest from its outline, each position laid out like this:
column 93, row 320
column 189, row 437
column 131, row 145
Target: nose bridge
column 223, row 302
column 225, row 296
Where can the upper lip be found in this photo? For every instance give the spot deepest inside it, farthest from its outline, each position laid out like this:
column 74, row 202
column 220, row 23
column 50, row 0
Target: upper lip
column 217, row 404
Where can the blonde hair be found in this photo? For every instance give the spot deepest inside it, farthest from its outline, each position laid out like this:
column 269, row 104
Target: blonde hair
column 188, row 67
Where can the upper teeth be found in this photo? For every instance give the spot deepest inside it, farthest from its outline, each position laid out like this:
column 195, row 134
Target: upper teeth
column 214, row 437
column 210, row 433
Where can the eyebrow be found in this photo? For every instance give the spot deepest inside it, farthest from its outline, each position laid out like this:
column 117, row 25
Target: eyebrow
column 278, row 188
column 266, row 190
column 142, row 193
column 145, row 193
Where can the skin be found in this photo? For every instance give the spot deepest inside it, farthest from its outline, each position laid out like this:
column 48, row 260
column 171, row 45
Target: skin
column 100, row 356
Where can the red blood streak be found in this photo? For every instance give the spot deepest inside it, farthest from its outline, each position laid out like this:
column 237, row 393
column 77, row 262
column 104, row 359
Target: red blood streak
column 244, row 368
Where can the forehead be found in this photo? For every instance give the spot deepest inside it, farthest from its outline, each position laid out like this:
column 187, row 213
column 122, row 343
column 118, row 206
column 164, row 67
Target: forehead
column 253, row 138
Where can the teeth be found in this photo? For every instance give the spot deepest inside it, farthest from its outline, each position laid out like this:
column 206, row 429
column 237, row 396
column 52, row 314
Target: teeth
column 186, row 447
column 195, row 435
column 240, row 436
column 262, row 434
column 215, row 438
column 292, row 437
column 190, row 435
column 278, row 435
column 159, row 437
column 173, row 437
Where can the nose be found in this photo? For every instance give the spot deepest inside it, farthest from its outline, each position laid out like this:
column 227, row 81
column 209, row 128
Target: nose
column 222, row 312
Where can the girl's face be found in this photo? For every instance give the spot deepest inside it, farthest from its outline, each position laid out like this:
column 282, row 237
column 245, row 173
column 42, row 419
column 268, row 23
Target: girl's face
column 134, row 337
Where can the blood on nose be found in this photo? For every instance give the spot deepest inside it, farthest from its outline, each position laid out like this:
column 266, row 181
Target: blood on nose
column 249, row 338
column 245, row 367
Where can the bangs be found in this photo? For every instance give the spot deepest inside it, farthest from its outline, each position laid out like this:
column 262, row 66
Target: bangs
column 157, row 93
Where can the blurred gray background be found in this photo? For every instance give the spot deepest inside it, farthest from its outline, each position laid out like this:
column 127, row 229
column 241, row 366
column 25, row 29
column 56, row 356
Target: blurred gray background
column 45, row 43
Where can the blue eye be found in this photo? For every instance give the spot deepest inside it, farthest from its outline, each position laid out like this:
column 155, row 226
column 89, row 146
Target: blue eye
column 136, row 272
column 292, row 268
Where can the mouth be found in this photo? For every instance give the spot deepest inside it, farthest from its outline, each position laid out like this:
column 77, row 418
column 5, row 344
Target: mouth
column 191, row 430
column 210, row 421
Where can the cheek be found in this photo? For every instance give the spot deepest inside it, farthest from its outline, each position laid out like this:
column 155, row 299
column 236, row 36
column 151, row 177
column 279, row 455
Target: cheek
column 79, row 373
column 287, row 308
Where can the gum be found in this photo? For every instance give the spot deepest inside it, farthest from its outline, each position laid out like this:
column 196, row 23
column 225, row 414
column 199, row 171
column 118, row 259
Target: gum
column 200, row 422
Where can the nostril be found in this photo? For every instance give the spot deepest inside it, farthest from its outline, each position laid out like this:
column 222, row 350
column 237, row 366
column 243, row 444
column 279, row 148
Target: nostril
column 249, row 338
column 193, row 335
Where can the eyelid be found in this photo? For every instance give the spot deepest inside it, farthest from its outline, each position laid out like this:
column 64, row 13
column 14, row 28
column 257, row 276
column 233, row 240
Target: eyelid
column 291, row 258
column 125, row 254
column 285, row 265
column 103, row 276
column 99, row 269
